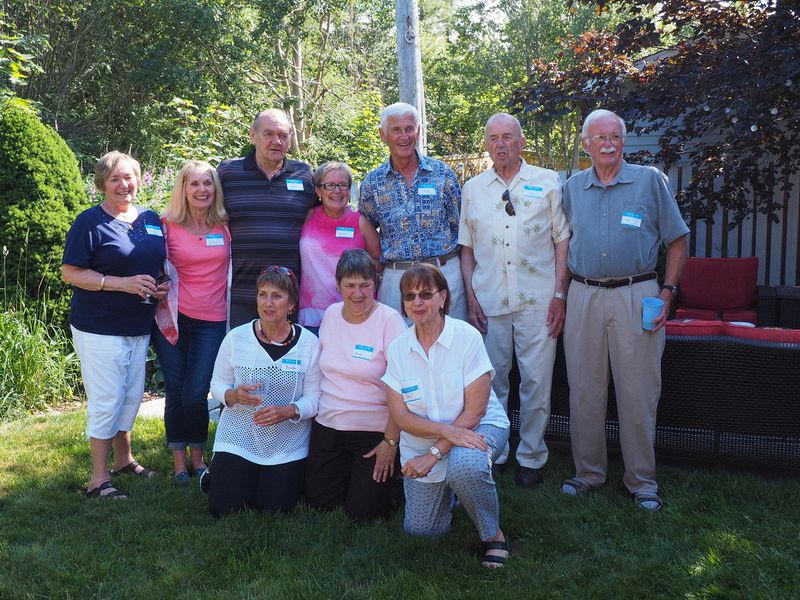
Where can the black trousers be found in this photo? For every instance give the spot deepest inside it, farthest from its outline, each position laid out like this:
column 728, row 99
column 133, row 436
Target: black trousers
column 337, row 474
column 238, row 484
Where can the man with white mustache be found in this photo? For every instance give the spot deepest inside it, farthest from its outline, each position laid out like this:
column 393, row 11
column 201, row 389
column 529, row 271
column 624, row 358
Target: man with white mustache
column 619, row 214
column 414, row 201
column 514, row 238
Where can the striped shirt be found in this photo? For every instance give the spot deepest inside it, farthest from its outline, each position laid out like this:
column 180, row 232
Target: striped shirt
column 266, row 216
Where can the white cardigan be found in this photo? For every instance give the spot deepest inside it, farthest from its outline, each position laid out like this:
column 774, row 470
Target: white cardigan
column 293, row 379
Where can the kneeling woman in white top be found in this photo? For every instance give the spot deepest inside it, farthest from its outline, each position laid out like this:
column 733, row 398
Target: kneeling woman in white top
column 268, row 377
column 438, row 380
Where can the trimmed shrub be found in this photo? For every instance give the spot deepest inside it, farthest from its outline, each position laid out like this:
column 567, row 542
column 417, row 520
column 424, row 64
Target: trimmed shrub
column 41, row 192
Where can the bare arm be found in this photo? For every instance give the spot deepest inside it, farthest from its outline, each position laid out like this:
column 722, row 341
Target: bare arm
column 89, row 279
column 677, row 251
column 371, row 240
column 558, row 307
column 475, row 314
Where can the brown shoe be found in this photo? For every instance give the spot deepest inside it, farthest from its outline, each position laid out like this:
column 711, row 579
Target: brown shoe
column 528, row 477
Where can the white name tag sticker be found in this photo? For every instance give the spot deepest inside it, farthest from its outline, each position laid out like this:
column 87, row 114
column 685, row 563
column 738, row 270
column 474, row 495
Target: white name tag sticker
column 363, row 352
column 345, row 232
column 294, row 185
column 291, row 364
column 411, row 392
column 630, row 219
column 532, row 191
column 426, row 190
column 154, row 230
column 215, row 239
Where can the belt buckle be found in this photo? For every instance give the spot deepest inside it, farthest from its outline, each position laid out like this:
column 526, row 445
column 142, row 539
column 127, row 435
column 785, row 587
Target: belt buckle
column 608, row 284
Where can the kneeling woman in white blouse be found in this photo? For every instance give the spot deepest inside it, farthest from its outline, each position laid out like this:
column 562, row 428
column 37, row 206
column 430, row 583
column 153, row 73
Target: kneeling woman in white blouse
column 438, row 381
column 267, row 376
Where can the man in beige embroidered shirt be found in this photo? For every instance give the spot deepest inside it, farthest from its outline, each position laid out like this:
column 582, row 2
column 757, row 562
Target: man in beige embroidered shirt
column 514, row 237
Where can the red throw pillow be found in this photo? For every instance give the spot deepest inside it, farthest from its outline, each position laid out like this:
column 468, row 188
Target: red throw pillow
column 718, row 283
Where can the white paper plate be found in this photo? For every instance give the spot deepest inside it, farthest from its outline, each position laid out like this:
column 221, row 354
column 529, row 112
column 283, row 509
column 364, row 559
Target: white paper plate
column 741, row 323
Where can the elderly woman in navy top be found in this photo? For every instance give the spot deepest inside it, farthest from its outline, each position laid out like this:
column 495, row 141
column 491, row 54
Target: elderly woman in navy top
column 268, row 377
column 438, row 381
column 113, row 257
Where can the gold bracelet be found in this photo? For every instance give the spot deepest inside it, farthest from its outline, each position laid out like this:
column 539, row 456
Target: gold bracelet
column 102, row 283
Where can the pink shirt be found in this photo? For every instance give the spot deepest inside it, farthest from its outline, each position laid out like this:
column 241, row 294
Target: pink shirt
column 322, row 242
column 202, row 265
column 353, row 360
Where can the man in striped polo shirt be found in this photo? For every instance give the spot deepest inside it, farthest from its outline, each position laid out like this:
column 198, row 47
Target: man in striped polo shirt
column 267, row 197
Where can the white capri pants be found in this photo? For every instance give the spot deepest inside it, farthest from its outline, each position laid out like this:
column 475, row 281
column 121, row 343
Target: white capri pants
column 113, row 370
column 469, row 476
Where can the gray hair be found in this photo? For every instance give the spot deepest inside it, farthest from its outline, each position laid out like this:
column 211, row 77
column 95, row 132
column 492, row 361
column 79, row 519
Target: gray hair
column 598, row 114
column 332, row 165
column 501, row 116
column 356, row 263
column 398, row 109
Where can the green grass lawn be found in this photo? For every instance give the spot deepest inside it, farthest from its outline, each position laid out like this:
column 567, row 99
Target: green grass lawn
column 720, row 535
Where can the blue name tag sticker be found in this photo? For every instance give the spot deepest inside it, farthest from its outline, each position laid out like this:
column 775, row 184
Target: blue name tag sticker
column 363, row 352
column 294, row 185
column 426, row 190
column 411, row 393
column 291, row 364
column 154, row 230
column 532, row 191
column 631, row 219
column 215, row 239
column 345, row 232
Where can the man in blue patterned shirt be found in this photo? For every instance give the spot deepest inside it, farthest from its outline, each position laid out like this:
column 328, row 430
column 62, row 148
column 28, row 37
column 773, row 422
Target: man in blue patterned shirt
column 414, row 202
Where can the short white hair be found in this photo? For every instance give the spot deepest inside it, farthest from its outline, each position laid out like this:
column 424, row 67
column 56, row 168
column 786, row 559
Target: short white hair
column 599, row 114
column 398, row 109
column 501, row 116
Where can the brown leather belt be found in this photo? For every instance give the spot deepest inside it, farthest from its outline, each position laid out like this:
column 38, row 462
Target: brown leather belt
column 615, row 283
column 438, row 261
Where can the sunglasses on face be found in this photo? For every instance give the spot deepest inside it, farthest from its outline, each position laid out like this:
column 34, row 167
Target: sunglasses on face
column 509, row 207
column 423, row 295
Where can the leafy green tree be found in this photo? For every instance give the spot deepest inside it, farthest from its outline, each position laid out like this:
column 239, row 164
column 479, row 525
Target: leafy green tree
column 40, row 194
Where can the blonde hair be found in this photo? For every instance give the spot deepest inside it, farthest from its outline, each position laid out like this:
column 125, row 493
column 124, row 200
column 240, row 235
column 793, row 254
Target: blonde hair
column 108, row 162
column 177, row 209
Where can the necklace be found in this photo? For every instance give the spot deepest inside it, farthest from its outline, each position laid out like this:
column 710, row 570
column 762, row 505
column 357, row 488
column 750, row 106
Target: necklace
column 262, row 336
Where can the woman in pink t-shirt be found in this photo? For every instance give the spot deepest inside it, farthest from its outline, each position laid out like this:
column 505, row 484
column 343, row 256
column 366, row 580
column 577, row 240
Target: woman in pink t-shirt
column 330, row 228
column 198, row 246
column 352, row 457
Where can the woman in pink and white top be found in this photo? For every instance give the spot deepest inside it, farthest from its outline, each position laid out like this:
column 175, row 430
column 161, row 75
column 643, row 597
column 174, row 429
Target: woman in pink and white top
column 198, row 246
column 352, row 458
column 330, row 228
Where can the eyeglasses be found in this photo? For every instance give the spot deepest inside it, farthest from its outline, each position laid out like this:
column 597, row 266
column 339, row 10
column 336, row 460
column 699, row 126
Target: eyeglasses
column 614, row 138
column 509, row 207
column 334, row 186
column 282, row 270
column 423, row 295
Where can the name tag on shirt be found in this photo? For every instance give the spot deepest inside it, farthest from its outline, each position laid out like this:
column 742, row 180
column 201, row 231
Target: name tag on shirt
column 214, row 239
column 294, row 185
column 630, row 219
column 426, row 190
column 411, row 392
column 532, row 191
column 154, row 230
column 345, row 232
column 291, row 364
column 363, row 352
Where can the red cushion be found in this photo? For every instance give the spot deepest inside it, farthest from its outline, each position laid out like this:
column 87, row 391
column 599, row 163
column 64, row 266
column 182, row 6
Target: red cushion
column 696, row 313
column 749, row 316
column 719, row 283
column 764, row 334
column 693, row 328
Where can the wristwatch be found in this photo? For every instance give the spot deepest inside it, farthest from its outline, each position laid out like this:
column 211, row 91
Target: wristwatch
column 436, row 452
column 672, row 288
column 391, row 442
column 560, row 295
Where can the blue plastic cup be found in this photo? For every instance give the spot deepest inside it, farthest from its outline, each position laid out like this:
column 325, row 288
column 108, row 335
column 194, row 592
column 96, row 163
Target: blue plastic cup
column 651, row 308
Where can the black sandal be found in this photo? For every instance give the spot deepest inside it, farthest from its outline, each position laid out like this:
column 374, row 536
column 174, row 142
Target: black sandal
column 492, row 561
column 131, row 468
column 113, row 493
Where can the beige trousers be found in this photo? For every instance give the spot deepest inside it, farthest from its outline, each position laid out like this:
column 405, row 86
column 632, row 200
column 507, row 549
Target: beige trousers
column 604, row 328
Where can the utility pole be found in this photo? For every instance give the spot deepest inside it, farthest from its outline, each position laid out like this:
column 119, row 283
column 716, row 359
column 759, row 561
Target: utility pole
column 409, row 61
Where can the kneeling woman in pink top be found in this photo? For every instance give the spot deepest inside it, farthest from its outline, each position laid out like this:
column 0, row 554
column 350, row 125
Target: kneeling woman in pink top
column 330, row 228
column 352, row 459
column 198, row 246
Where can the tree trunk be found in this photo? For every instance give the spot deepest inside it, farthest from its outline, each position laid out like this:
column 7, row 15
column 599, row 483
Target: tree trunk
column 409, row 60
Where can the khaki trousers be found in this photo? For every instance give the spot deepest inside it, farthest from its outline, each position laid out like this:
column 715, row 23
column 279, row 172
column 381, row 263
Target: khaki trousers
column 526, row 332
column 604, row 328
